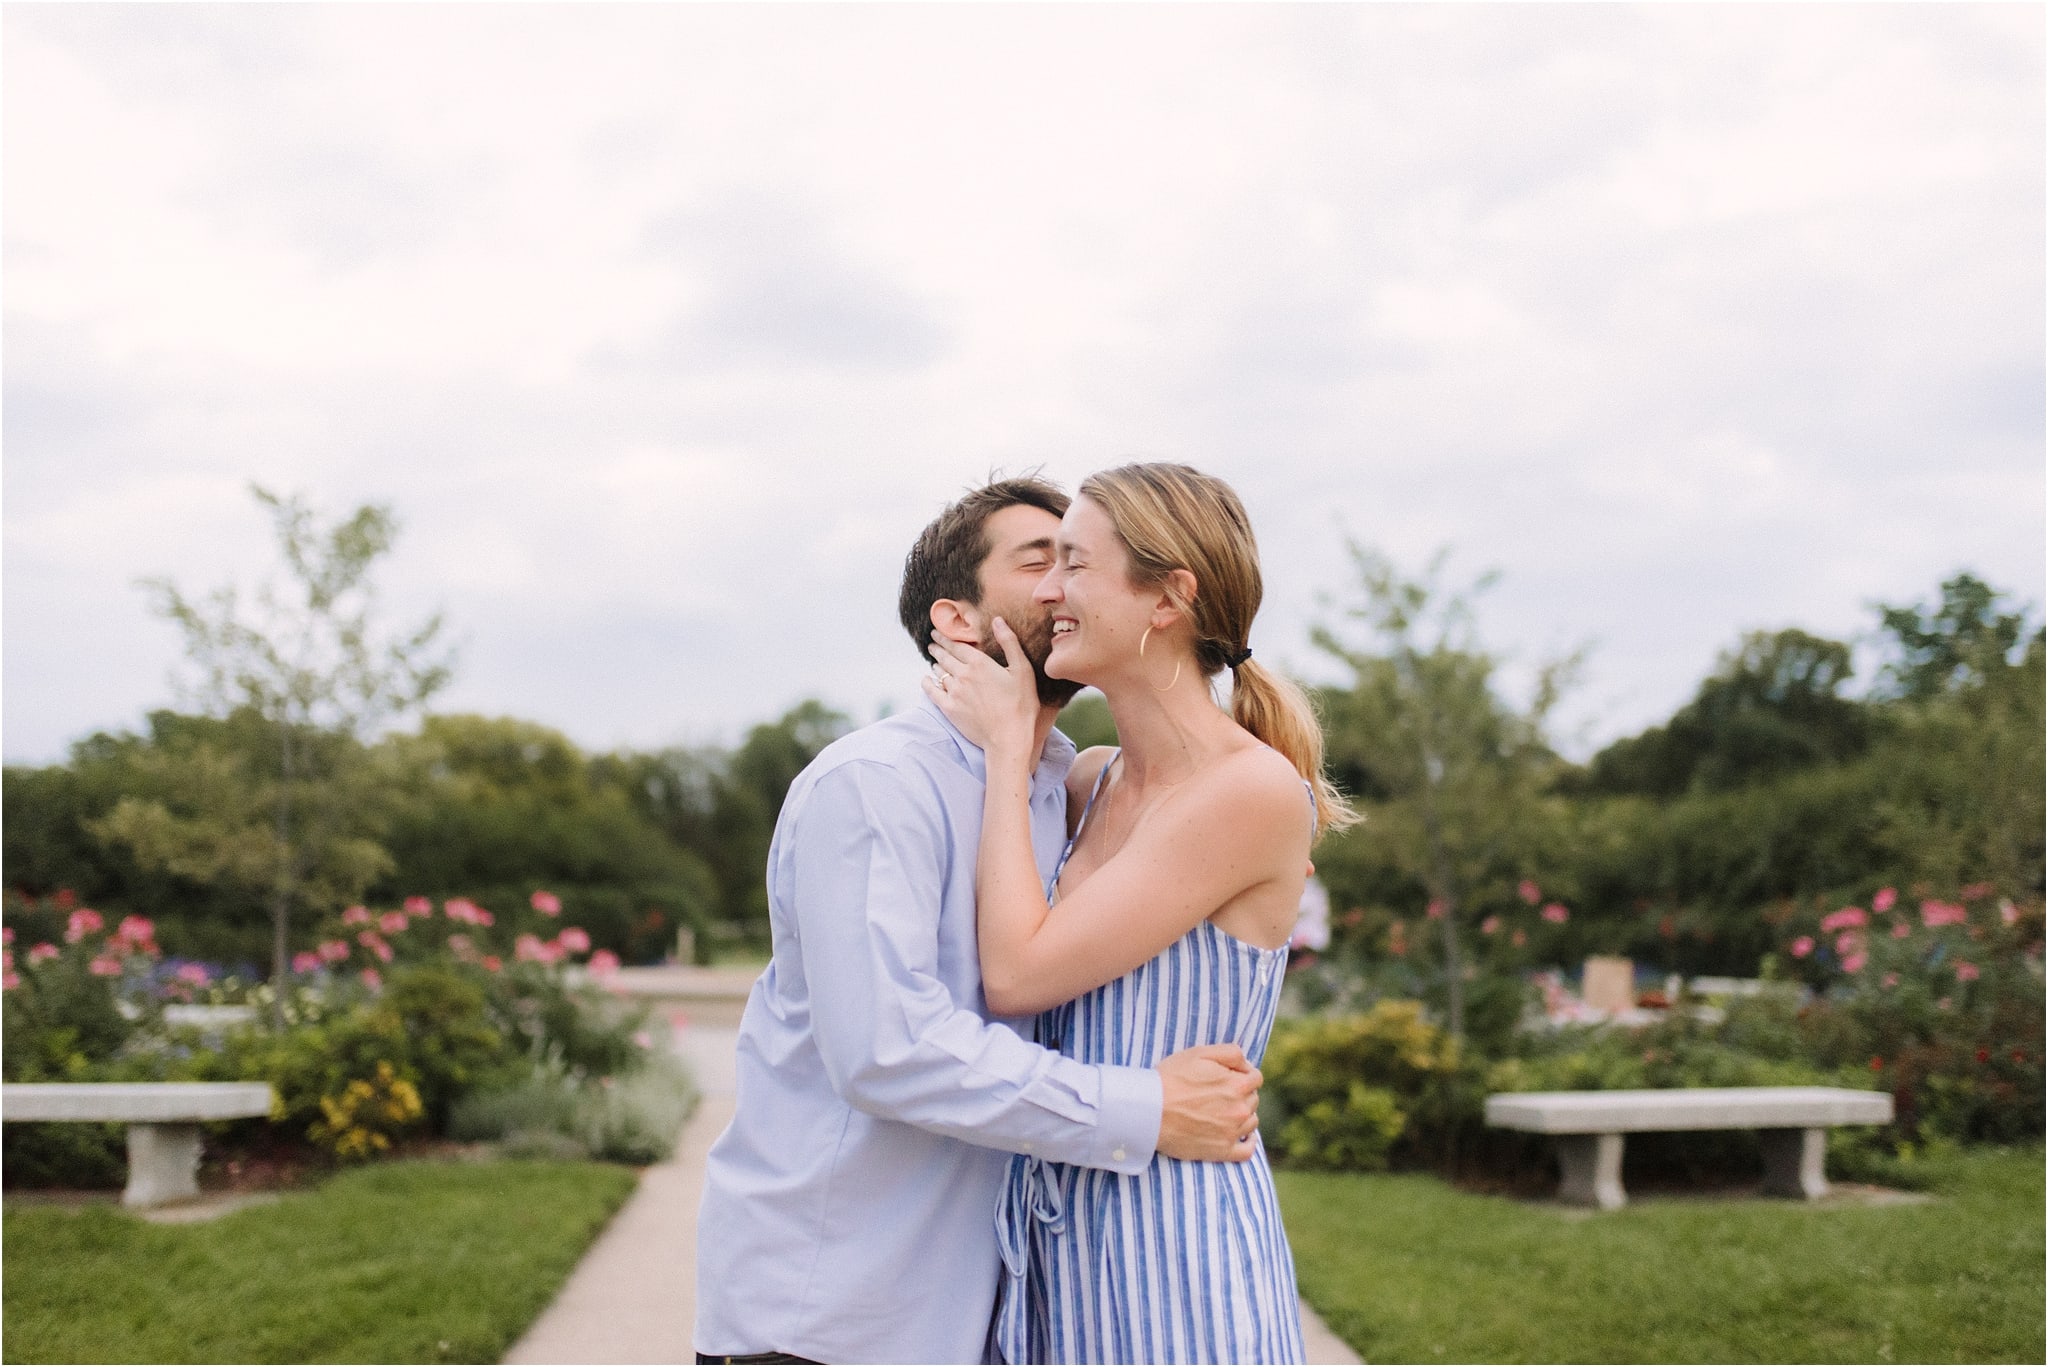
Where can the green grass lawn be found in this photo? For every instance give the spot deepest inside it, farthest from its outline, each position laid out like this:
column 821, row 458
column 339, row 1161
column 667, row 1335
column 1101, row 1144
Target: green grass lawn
column 1408, row 1269
column 401, row 1262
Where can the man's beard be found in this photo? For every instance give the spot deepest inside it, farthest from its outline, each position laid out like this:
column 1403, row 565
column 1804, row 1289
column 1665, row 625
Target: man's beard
column 1036, row 638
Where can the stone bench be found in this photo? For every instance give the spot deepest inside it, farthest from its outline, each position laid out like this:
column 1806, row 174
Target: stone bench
column 162, row 1119
column 1590, row 1125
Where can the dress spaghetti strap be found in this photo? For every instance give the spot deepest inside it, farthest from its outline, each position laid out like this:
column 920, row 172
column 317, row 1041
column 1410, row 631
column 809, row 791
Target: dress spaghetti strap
column 1052, row 886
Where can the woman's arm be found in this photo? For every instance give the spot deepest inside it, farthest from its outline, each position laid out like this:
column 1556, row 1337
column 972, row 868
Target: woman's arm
column 1234, row 826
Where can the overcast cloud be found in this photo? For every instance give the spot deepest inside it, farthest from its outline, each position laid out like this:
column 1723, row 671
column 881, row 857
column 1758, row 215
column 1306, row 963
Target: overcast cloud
column 665, row 328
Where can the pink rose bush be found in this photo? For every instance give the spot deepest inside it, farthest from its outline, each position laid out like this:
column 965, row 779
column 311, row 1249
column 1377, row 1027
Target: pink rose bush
column 89, row 951
column 439, row 996
column 1910, row 947
column 1846, row 917
column 1948, row 988
column 1934, row 915
column 465, row 912
column 364, row 937
column 358, row 938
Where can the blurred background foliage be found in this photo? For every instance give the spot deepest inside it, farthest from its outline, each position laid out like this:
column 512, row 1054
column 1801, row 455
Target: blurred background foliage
column 637, row 845
column 1777, row 786
column 1744, row 837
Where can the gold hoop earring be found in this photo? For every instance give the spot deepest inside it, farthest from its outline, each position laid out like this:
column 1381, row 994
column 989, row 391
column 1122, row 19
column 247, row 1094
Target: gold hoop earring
column 1141, row 642
column 1172, row 681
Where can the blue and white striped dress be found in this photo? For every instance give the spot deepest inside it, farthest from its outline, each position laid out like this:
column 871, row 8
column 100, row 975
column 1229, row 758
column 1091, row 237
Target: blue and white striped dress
column 1185, row 1262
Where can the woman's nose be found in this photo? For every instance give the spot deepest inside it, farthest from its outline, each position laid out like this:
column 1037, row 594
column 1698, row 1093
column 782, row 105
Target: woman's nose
column 1048, row 590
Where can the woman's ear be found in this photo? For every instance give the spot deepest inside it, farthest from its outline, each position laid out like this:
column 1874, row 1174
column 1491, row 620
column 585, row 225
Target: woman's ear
column 1176, row 599
column 956, row 621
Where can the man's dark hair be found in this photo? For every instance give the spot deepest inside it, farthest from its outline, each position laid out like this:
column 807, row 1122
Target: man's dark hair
column 946, row 561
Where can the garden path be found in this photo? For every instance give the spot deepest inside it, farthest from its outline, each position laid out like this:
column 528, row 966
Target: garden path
column 633, row 1297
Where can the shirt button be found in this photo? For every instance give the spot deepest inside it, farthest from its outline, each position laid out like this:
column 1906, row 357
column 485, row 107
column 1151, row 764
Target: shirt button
column 1118, row 1155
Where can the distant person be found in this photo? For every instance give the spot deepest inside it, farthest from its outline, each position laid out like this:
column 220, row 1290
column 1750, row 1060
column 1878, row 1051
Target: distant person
column 847, row 1209
column 1167, row 919
column 1311, row 924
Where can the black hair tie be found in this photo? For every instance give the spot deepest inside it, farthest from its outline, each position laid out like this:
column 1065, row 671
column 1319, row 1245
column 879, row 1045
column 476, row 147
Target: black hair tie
column 1239, row 658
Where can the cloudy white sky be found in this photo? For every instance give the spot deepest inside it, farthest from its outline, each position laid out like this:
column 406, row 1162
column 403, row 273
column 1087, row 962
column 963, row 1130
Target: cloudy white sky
column 664, row 328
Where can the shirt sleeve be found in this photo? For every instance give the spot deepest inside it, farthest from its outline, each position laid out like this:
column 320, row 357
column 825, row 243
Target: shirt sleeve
column 864, row 873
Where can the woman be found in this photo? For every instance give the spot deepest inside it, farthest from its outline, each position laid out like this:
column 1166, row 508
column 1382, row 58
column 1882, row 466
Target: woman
column 1166, row 923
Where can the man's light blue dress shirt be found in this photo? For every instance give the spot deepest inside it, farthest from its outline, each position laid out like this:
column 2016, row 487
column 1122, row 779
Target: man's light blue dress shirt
column 848, row 1210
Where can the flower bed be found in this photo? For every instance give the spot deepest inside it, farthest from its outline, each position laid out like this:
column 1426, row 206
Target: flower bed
column 388, row 1019
column 1939, row 1004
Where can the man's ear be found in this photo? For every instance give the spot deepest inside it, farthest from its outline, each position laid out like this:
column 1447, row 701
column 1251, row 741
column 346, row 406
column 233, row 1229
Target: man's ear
column 957, row 621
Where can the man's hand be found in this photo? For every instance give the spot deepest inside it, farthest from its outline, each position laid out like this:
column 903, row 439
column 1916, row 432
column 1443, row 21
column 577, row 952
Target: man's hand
column 1211, row 1113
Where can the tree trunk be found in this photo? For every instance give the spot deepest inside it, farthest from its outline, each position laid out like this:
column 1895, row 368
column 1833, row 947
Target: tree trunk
column 281, row 893
column 1444, row 889
column 1446, row 894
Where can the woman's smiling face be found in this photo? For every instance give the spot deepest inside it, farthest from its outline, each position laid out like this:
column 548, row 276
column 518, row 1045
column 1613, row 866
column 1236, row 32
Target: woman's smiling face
column 1098, row 615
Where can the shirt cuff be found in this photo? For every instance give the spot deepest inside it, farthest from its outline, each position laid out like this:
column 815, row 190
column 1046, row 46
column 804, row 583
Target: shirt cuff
column 1133, row 1104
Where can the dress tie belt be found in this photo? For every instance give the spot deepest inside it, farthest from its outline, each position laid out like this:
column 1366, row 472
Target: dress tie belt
column 1031, row 1192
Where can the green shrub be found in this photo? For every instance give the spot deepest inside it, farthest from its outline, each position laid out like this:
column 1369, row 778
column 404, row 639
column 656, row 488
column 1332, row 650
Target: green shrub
column 1418, row 1092
column 308, row 1063
column 64, row 1154
column 544, row 1103
column 1352, row 1136
column 637, row 1118
column 633, row 1118
column 362, row 1120
column 580, row 1030
column 443, row 1012
column 386, row 1027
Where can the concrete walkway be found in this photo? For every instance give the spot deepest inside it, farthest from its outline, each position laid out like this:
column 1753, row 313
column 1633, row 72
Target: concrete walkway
column 633, row 1297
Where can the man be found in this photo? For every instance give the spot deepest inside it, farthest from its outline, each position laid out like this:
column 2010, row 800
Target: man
column 848, row 1210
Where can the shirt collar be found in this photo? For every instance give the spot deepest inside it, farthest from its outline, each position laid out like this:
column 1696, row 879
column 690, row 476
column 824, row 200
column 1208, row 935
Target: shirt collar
column 1053, row 761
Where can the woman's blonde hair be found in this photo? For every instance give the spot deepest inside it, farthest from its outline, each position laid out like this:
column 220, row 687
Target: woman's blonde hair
column 1173, row 517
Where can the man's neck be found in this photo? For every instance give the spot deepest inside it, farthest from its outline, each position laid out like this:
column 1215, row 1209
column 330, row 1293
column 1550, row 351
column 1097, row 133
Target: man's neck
column 1048, row 713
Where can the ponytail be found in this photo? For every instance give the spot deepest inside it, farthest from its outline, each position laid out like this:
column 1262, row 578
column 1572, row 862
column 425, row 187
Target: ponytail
column 1273, row 708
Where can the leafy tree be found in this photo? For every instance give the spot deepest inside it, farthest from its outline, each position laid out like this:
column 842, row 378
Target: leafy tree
column 1965, row 797
column 52, row 813
column 1455, row 779
column 1963, row 640
column 303, row 666
column 1772, row 706
column 1770, row 792
column 495, row 809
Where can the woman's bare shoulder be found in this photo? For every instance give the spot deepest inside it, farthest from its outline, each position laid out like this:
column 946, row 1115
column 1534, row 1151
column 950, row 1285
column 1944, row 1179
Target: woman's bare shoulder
column 1256, row 786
